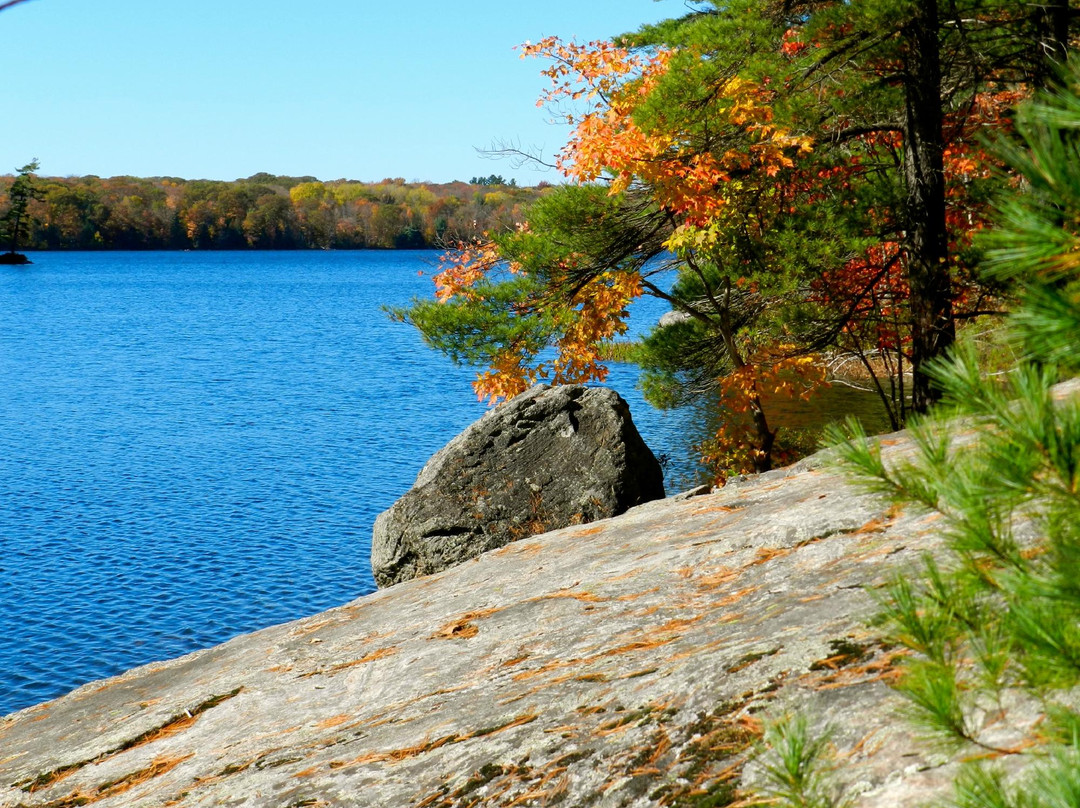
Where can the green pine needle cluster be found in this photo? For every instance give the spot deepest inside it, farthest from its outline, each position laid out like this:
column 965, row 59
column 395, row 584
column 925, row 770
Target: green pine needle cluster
column 798, row 766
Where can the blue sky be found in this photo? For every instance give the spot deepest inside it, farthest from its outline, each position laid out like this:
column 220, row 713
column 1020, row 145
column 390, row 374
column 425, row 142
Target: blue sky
column 221, row 89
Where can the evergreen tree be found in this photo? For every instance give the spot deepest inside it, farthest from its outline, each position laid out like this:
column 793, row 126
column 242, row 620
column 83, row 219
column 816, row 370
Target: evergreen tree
column 15, row 221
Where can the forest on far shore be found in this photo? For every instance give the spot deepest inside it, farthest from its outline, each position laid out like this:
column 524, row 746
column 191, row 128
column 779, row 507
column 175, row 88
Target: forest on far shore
column 264, row 211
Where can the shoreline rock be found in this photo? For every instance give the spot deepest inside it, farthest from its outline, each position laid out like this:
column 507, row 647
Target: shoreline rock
column 551, row 457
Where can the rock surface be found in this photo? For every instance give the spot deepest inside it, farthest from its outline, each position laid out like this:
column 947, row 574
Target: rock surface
column 673, row 317
column 552, row 457
column 624, row 663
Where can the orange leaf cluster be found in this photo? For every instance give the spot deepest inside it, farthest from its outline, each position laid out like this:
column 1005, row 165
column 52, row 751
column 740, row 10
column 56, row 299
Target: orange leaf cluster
column 775, row 374
column 507, row 377
column 608, row 140
column 597, row 313
column 591, row 70
column 460, row 269
column 791, row 44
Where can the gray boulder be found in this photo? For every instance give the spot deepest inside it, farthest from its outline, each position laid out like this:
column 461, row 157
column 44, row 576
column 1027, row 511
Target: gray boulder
column 551, row 457
column 673, row 317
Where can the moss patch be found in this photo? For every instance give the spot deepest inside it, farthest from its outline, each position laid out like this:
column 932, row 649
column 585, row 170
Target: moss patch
column 842, row 652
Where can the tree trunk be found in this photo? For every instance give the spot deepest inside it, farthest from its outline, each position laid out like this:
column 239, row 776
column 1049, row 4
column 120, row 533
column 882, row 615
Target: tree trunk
column 765, row 437
column 16, row 223
column 927, row 244
column 1052, row 18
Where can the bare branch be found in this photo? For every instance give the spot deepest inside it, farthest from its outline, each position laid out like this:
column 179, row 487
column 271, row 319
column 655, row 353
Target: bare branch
column 514, row 152
column 851, row 132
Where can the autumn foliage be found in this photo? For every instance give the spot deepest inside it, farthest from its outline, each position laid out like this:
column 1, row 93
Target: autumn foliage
column 264, row 212
column 770, row 170
column 699, row 197
column 591, row 315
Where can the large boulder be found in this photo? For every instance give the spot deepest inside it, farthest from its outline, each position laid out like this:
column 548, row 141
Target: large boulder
column 552, row 457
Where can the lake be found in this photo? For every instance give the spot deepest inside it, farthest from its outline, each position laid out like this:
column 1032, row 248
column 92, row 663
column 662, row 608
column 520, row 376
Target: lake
column 195, row 445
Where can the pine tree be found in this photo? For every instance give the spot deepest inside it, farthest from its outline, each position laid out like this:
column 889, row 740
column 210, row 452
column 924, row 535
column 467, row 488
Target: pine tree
column 15, row 222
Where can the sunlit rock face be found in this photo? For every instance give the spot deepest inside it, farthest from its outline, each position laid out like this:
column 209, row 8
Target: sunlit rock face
column 551, row 457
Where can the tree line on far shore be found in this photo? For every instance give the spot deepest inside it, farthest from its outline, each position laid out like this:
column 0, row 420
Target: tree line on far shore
column 263, row 211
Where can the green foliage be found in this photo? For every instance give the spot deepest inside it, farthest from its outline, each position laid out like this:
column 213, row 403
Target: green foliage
column 475, row 332
column 15, row 221
column 1050, row 783
column 681, row 360
column 493, row 180
column 798, row 766
column 998, row 614
column 1035, row 248
column 574, row 233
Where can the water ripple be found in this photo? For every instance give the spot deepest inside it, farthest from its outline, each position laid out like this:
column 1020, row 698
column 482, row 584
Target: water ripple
column 193, row 446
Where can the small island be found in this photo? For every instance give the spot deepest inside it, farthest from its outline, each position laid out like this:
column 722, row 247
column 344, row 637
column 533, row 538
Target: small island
column 15, row 221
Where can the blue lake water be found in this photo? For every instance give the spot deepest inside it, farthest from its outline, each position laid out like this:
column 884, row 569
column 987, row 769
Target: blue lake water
column 195, row 445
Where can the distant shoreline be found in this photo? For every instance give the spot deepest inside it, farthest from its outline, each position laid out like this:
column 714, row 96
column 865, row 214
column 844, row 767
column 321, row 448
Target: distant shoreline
column 266, row 212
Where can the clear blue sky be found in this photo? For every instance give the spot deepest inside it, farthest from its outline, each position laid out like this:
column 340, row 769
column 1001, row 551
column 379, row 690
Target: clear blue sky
column 221, row 89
